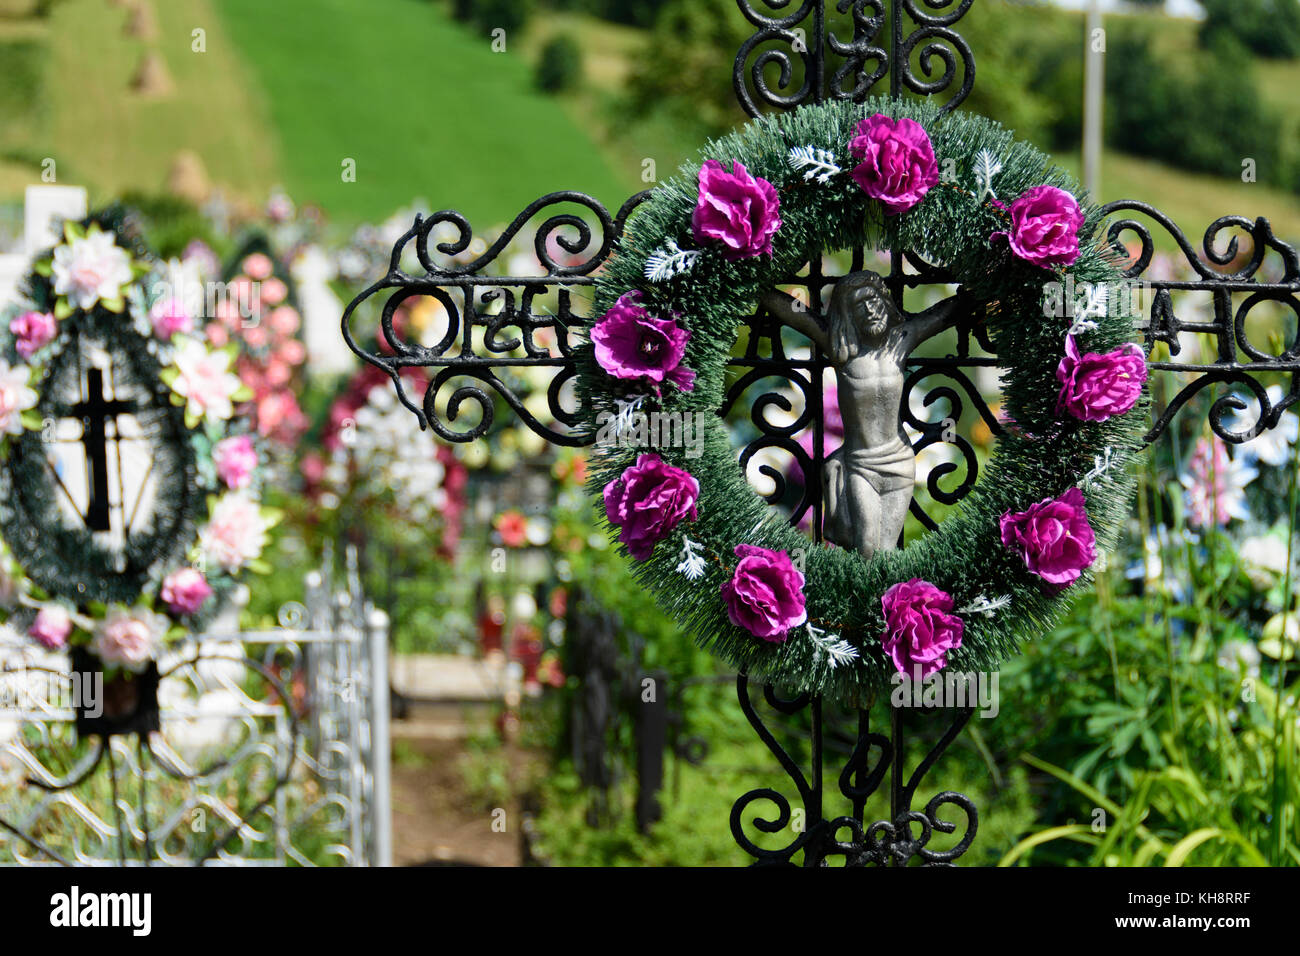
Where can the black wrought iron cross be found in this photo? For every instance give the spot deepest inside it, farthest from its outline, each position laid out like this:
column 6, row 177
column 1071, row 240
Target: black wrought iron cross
column 95, row 411
column 917, row 29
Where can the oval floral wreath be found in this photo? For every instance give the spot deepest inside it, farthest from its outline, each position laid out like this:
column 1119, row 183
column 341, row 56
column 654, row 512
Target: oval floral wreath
column 695, row 261
column 208, row 522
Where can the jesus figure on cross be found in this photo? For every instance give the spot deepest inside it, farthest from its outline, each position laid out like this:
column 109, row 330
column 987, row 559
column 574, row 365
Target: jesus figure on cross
column 867, row 483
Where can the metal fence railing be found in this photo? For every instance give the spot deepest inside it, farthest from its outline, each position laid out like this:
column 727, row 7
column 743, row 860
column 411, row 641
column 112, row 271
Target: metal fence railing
column 273, row 750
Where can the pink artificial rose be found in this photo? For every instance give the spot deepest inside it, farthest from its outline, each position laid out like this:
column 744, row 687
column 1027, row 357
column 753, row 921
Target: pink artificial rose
column 648, row 500
column 185, row 590
column 236, row 460
column 129, row 639
column 919, row 630
column 765, row 593
column 170, row 317
column 739, row 210
column 273, row 291
column 898, row 165
column 33, row 331
column 52, row 626
column 1053, row 537
column 258, row 266
column 292, row 351
column 631, row 343
column 1097, row 386
column 284, row 320
column 1045, row 225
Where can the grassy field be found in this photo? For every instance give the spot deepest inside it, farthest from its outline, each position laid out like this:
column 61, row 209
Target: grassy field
column 1192, row 200
column 423, row 105
column 103, row 135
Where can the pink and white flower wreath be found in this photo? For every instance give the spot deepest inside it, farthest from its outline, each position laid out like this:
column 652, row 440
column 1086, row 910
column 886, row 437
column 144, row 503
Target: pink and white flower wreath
column 92, row 270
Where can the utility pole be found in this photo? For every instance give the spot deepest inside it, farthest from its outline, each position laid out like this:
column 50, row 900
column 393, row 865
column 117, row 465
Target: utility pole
column 1093, row 72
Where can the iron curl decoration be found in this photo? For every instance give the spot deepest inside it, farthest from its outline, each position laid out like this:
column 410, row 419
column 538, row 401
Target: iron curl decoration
column 1220, row 269
column 944, row 431
column 936, row 50
column 808, row 34
column 889, row 842
column 570, row 244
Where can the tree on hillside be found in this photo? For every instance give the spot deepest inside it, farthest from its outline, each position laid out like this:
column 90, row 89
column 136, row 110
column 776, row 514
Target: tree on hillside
column 560, row 65
column 508, row 15
column 636, row 13
column 683, row 70
column 1206, row 117
column 1270, row 28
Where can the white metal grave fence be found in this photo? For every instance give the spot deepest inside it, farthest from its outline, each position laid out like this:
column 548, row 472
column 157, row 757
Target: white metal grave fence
column 273, row 751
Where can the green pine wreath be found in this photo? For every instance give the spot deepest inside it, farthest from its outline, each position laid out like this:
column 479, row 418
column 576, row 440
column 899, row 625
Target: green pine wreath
column 686, row 298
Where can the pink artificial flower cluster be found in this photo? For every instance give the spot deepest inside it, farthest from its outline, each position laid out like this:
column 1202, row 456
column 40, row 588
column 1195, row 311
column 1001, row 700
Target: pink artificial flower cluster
column 1053, row 537
column 898, row 166
column 630, row 343
column 343, row 415
column 919, row 628
column 648, row 500
column 273, row 353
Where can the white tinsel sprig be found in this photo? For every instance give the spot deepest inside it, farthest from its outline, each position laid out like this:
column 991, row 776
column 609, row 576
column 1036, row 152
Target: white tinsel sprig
column 625, row 417
column 986, row 167
column 669, row 260
column 1086, row 319
column 837, row 651
column 1101, row 464
column 692, row 563
column 985, row 606
column 818, row 164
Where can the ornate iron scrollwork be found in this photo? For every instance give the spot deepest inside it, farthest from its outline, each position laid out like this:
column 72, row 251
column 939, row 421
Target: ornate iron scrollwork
column 894, row 841
column 1218, row 273
column 504, row 309
column 810, row 36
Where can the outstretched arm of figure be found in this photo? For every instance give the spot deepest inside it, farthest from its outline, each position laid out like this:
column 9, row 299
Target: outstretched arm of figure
column 790, row 311
column 934, row 320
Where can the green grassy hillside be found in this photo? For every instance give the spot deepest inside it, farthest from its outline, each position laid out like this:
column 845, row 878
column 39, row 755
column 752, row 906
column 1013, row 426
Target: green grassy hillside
column 422, row 104
column 82, row 113
column 287, row 90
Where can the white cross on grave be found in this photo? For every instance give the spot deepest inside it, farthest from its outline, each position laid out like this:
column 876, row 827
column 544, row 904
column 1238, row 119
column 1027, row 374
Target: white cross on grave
column 45, row 209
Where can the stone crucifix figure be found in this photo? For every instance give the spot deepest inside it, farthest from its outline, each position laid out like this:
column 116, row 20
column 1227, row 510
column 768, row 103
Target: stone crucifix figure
column 867, row 483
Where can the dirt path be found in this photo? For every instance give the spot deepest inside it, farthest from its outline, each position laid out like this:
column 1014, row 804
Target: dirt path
column 436, row 820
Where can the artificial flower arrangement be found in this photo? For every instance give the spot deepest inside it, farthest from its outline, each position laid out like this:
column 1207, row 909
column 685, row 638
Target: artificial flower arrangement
column 697, row 258
column 272, row 356
column 371, row 464
column 99, row 284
